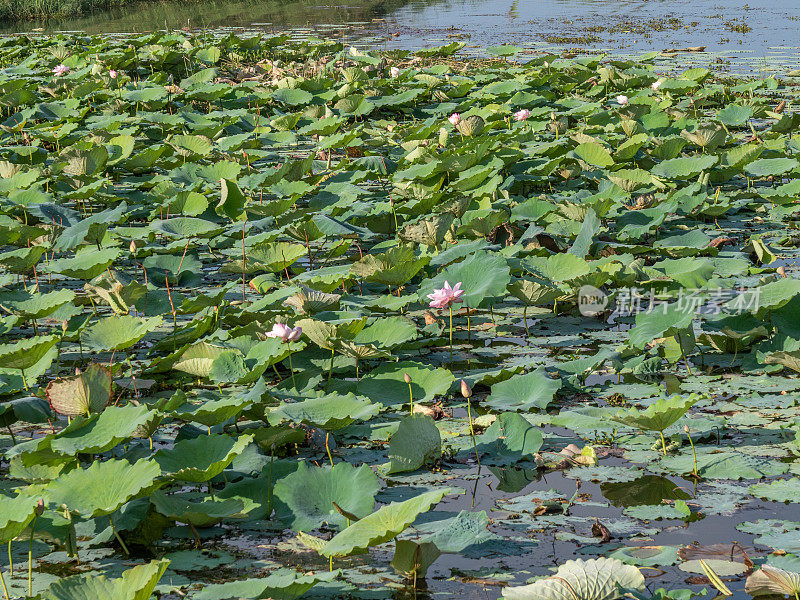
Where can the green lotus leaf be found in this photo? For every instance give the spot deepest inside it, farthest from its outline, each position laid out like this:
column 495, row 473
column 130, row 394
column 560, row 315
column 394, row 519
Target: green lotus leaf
column 102, row 488
column 202, row 458
column 663, row 321
column 416, row 442
column 118, row 332
column 510, row 438
column 780, row 490
column 21, row 260
column 178, row 507
column 308, row 498
column 85, row 393
column 594, row 154
column 412, row 559
column 15, row 514
column 185, row 227
column 137, row 583
column 659, row 415
column 684, row 167
column 280, row 584
column 37, row 306
column 381, row 526
column 190, row 146
column 593, row 579
column 766, row 167
column 198, row 359
column 725, row 464
column 386, row 384
column 483, row 276
column 86, row 264
column 25, row 353
column 329, row 412
column 524, row 392
column 102, row 432
column 734, row 115
column 232, row 201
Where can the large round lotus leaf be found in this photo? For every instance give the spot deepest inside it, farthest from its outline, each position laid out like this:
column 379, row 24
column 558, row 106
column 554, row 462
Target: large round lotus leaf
column 198, row 359
column 184, row 227
column 381, row 526
column 190, row 146
column 416, row 441
column 204, row 513
column 15, row 514
column 37, row 306
column 593, row 579
column 103, row 487
column 684, row 167
column 386, row 384
column 387, row 332
column 332, row 411
column 594, row 154
column 101, row 433
column 661, row 322
column 734, row 115
column 765, row 167
column 281, row 584
column 524, row 392
column 85, row 393
column 723, row 464
column 659, row 415
column 483, row 276
column 781, row 490
column 118, row 332
column 21, row 260
column 87, row 264
column 273, row 256
column 647, row 556
column 648, row 489
column 201, row 458
column 25, row 353
column 305, row 499
column 457, row 533
column 137, row 583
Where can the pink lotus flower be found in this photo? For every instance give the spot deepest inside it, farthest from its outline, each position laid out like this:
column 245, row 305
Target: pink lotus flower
column 60, row 70
column 622, row 99
column 444, row 297
column 394, row 72
column 656, row 84
column 454, row 119
column 112, row 73
column 522, row 115
column 286, row 333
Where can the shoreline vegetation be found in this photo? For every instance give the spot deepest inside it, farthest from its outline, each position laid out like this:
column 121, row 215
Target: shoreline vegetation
column 33, row 10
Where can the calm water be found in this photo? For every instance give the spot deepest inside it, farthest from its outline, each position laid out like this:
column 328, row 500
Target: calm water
column 757, row 34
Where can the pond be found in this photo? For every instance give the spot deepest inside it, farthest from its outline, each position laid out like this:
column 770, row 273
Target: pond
column 752, row 36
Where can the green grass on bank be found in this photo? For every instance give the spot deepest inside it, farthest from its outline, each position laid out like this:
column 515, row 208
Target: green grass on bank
column 24, row 10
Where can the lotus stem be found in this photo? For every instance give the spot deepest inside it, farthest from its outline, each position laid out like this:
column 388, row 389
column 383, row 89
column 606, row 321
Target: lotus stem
column 525, row 321
column 10, row 561
column 5, row 589
column 694, row 453
column 116, row 535
column 411, row 397
column 683, row 355
column 11, row 433
column 30, row 555
column 472, row 432
column 291, row 370
column 663, row 443
column 330, row 563
column 327, row 447
column 24, row 381
column 450, row 308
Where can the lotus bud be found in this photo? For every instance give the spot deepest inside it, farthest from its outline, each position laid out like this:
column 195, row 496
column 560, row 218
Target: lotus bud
column 132, row 247
column 112, row 73
column 394, row 72
column 622, row 99
column 40, row 507
column 466, row 391
column 781, row 271
column 454, row 119
column 64, row 326
column 407, row 378
column 686, row 429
